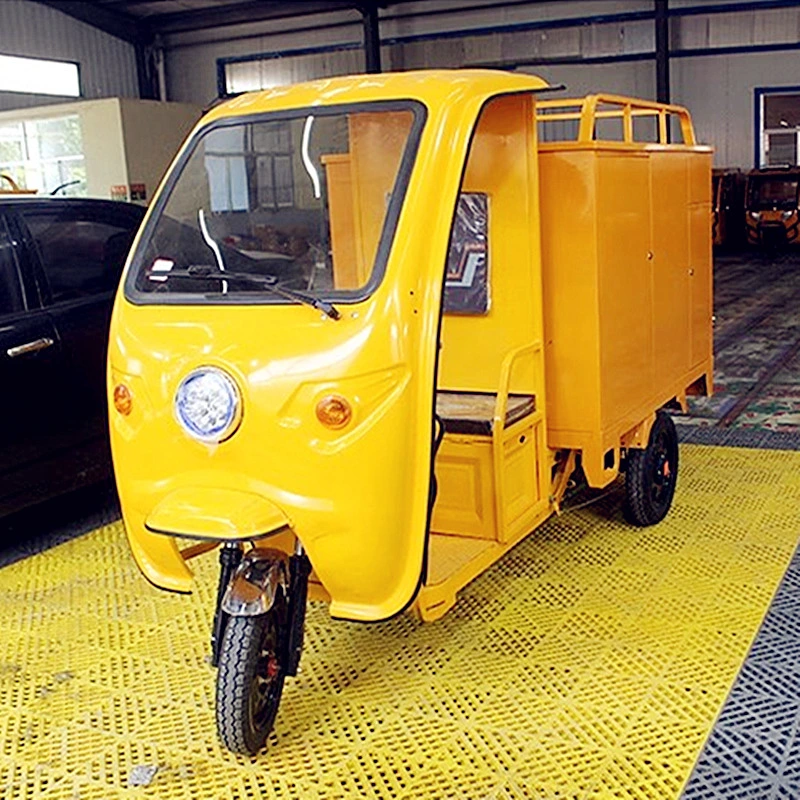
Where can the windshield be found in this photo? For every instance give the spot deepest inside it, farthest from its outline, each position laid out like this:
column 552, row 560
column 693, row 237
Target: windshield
column 303, row 202
column 773, row 192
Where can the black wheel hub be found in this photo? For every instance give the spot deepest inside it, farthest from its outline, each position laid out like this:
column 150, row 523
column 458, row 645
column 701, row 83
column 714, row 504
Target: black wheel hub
column 266, row 680
column 663, row 473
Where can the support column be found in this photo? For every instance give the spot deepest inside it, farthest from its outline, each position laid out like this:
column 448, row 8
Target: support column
column 145, row 72
column 662, row 51
column 372, row 37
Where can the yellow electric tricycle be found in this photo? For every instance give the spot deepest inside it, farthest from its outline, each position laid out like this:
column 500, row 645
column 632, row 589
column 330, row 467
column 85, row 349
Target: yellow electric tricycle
column 371, row 327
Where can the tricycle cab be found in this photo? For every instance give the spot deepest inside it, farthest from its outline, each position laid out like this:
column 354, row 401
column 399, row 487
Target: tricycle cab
column 293, row 263
column 772, row 207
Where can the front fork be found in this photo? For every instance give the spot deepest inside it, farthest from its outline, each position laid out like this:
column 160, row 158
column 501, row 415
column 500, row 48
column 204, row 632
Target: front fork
column 299, row 570
column 230, row 556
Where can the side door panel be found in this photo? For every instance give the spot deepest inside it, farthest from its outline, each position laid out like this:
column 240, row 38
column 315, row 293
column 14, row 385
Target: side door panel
column 80, row 249
column 31, row 370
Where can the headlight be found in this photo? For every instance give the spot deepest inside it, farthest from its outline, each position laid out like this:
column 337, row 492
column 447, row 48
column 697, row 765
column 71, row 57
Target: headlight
column 754, row 215
column 208, row 405
column 787, row 214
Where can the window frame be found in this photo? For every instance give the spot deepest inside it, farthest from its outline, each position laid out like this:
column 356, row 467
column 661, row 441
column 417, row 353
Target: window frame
column 419, row 112
column 761, row 132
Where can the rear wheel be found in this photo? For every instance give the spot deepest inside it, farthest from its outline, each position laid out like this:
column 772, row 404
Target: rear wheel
column 651, row 474
column 250, row 678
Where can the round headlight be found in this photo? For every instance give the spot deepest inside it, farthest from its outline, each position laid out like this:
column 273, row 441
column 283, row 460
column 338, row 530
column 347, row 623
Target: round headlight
column 208, row 404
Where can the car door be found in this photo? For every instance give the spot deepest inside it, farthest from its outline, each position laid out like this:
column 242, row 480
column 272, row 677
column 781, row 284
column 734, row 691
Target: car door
column 80, row 248
column 31, row 376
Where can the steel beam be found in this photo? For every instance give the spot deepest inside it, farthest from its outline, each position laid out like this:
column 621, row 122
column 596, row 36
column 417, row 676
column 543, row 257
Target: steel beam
column 146, row 73
column 237, row 13
column 662, row 51
column 372, row 37
column 123, row 26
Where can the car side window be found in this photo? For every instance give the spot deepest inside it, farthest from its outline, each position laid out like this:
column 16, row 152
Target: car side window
column 82, row 252
column 11, row 297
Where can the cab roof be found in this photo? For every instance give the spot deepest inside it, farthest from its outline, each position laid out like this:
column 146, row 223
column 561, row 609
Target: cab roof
column 431, row 87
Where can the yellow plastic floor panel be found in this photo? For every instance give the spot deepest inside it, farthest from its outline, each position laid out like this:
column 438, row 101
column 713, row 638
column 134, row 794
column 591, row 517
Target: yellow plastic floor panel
column 589, row 663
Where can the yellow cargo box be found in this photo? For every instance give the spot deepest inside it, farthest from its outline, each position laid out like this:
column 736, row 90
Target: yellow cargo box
column 626, row 270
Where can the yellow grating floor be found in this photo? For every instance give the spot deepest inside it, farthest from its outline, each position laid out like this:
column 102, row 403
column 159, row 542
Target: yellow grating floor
column 590, row 663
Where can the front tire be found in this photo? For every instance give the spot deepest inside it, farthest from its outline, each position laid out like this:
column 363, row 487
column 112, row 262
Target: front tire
column 250, row 678
column 651, row 474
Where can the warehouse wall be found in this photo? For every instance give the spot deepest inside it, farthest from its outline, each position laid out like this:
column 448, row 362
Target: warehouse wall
column 192, row 58
column 719, row 91
column 107, row 64
column 717, row 87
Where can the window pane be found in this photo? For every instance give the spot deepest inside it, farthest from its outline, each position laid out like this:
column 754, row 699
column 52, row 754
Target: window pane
column 12, row 143
column 10, row 290
column 782, row 149
column 782, row 111
column 772, row 192
column 284, row 186
column 45, row 155
column 81, row 256
column 266, row 182
column 300, row 203
column 39, row 76
column 466, row 286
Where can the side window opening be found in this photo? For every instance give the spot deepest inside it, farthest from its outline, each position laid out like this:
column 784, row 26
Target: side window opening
column 466, row 286
column 81, row 255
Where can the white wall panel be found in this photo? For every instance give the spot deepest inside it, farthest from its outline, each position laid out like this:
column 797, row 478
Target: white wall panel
column 462, row 18
column 776, row 26
column 632, row 78
column 192, row 70
column 191, row 63
column 107, row 64
column 718, row 90
column 730, row 29
column 768, row 26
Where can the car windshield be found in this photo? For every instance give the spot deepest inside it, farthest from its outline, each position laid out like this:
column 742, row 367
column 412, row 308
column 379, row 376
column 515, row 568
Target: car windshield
column 773, row 192
column 304, row 202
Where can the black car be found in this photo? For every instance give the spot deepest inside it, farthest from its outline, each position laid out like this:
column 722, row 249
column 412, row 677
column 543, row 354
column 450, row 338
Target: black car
column 60, row 262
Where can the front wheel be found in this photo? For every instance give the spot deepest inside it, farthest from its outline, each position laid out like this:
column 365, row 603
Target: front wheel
column 651, row 474
column 250, row 678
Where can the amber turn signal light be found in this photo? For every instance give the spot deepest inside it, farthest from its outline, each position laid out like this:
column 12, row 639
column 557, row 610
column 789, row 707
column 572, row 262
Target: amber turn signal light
column 123, row 401
column 334, row 411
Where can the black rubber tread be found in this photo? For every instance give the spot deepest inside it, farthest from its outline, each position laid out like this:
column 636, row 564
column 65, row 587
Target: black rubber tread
column 640, row 508
column 238, row 662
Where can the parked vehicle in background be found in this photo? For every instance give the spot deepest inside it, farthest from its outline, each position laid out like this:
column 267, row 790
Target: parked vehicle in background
column 771, row 207
column 727, row 199
column 60, row 262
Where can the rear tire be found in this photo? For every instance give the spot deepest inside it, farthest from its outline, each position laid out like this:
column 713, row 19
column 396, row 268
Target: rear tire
column 250, row 678
column 651, row 474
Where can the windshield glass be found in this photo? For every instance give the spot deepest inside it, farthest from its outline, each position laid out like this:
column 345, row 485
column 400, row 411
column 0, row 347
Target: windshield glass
column 307, row 201
column 773, row 192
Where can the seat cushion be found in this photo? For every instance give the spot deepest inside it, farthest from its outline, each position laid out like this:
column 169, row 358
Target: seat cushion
column 473, row 412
